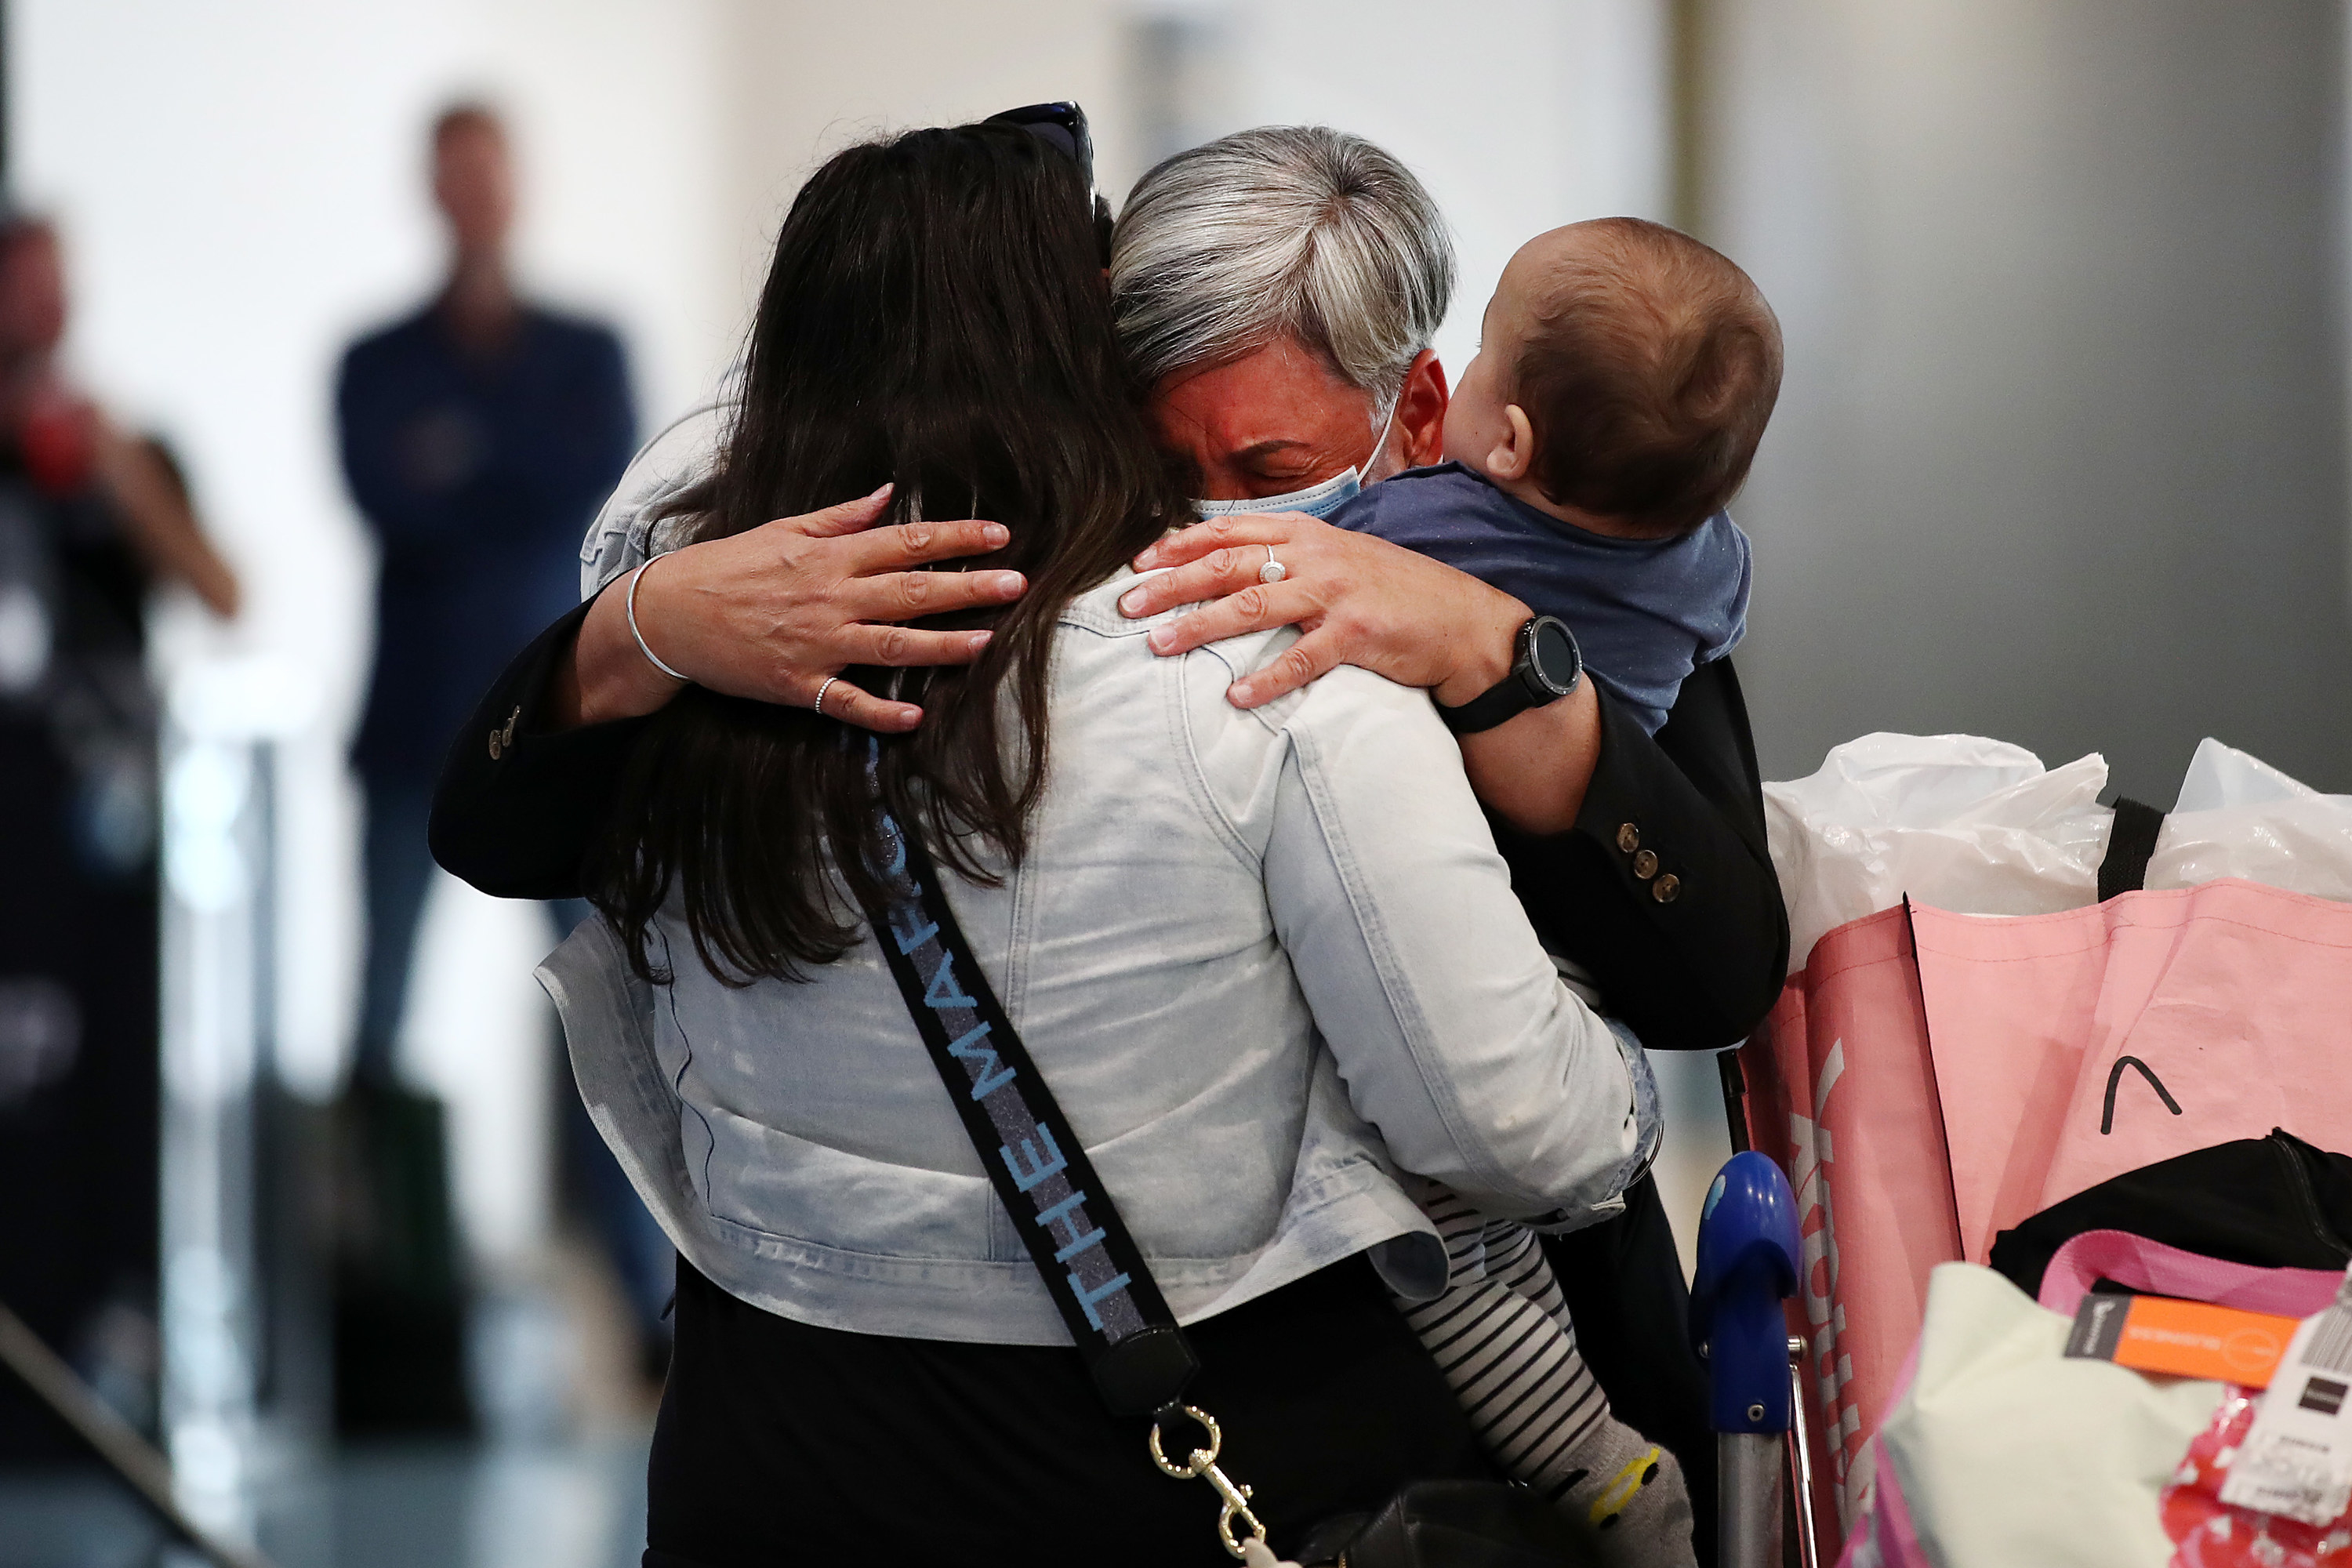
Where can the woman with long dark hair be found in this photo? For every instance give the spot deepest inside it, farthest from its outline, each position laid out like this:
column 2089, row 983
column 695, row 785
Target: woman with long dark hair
column 1266, row 961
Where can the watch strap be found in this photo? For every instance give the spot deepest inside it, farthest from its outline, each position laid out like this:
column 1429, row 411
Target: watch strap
column 1523, row 687
column 1506, row 699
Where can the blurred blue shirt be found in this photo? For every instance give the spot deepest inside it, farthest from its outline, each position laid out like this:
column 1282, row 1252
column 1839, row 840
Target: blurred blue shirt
column 476, row 474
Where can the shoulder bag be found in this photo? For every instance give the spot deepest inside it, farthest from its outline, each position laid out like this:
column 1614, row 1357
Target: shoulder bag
column 1136, row 1355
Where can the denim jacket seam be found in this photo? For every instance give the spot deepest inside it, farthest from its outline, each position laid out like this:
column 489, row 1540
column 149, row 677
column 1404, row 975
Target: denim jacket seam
column 1202, row 794
column 1177, row 704
column 1021, row 910
column 1411, row 1023
column 1300, row 1216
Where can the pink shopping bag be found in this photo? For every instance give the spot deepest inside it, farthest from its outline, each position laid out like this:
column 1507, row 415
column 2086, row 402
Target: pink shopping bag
column 2074, row 1047
column 1841, row 1093
column 2160, row 1271
column 1933, row 1078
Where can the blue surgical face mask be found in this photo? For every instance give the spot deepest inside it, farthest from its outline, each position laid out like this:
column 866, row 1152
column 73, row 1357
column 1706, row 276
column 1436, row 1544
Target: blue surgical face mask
column 1316, row 501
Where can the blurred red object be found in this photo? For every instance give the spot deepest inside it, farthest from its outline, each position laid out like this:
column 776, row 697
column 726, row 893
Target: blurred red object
column 60, row 439
column 2208, row 1533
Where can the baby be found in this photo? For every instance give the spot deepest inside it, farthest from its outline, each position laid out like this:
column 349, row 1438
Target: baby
column 1624, row 378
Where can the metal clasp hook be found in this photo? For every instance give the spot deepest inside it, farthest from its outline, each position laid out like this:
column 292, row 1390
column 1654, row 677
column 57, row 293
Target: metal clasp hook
column 1202, row 1465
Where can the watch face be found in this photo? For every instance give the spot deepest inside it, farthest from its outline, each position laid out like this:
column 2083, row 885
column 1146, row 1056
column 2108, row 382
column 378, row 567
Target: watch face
column 1554, row 656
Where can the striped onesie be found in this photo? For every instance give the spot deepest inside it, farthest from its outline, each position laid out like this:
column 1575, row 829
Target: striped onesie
column 1503, row 1338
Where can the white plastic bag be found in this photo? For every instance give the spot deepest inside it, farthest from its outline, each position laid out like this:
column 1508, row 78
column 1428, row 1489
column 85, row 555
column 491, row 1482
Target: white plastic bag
column 2239, row 816
column 1956, row 821
column 1980, row 826
column 2006, row 1451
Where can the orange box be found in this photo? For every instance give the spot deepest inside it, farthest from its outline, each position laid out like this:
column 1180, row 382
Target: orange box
column 2184, row 1338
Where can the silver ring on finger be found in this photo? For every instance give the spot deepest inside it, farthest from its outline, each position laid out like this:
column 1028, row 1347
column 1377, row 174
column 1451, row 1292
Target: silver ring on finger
column 818, row 705
column 1273, row 571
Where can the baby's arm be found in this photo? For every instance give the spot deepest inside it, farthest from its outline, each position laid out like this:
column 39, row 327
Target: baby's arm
column 1501, row 1336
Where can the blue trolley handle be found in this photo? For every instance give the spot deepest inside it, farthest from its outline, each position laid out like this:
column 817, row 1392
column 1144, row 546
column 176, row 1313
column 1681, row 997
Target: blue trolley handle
column 1749, row 1263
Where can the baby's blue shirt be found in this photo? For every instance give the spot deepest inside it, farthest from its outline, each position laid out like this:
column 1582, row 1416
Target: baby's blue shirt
column 1645, row 612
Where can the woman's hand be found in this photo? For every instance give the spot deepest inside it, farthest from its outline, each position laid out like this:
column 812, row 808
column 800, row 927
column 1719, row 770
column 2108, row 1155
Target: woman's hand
column 771, row 612
column 1359, row 600
column 1381, row 607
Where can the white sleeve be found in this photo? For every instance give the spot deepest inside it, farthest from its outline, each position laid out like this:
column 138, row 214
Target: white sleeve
column 683, row 454
column 1447, row 1019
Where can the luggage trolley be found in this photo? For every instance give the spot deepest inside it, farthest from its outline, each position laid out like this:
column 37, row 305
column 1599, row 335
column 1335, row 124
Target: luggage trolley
column 1750, row 1259
column 1794, row 1429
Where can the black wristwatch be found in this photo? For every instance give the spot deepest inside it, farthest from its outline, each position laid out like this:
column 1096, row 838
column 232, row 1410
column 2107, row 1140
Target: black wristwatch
column 1545, row 669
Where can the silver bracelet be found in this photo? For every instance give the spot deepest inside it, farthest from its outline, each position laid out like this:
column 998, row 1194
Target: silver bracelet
column 651, row 657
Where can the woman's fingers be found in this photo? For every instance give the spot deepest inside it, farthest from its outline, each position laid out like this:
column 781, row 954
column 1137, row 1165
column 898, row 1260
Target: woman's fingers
column 897, row 547
column 1231, row 570
column 1189, row 545
column 1229, row 554
column 906, row 544
column 1256, row 608
column 847, row 516
column 902, row 648
column 1259, row 607
column 1361, row 600
column 1317, row 653
column 911, row 595
column 784, row 604
column 855, row 705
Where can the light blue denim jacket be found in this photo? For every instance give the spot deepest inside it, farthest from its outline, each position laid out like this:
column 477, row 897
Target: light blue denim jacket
column 1266, row 961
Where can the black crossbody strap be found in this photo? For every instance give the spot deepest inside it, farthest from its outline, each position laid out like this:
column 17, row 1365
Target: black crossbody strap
column 1137, row 1354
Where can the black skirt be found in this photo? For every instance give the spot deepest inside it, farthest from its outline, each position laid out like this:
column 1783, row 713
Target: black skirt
column 779, row 1443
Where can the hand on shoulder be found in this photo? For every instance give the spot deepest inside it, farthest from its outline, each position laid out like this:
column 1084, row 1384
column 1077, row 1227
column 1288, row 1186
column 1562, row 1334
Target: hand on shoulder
column 776, row 613
column 1356, row 600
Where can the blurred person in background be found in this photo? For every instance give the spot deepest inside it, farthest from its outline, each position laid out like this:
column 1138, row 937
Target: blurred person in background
column 67, row 446
column 91, row 518
column 1277, row 290
column 478, row 436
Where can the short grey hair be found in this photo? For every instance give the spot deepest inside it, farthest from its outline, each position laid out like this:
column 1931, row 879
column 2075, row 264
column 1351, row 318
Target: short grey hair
column 1286, row 231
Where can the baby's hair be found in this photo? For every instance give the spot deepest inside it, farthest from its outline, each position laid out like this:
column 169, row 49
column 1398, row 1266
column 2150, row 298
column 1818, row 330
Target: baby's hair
column 1650, row 367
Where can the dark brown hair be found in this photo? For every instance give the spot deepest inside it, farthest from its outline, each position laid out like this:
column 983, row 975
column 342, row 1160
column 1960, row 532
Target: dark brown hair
column 1650, row 367
column 466, row 114
column 935, row 316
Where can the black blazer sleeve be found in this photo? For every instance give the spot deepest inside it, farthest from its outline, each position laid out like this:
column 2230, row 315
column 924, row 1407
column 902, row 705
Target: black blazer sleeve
column 518, row 807
column 1689, row 947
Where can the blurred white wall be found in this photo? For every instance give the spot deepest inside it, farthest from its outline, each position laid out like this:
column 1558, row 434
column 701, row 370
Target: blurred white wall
column 808, row 80
column 1519, row 115
column 2060, row 457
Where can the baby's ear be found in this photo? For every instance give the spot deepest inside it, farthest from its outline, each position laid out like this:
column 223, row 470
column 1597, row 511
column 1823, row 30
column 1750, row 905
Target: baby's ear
column 1515, row 447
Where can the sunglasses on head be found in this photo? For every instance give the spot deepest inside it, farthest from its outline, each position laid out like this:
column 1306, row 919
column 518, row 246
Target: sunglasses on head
column 1062, row 126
